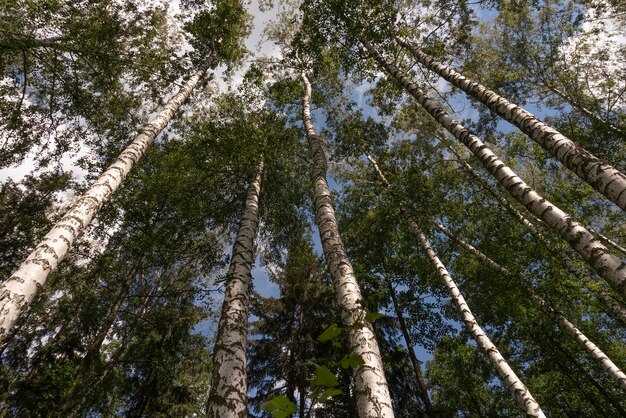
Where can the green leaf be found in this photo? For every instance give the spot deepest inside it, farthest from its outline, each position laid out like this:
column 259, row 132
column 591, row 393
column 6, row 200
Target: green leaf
column 358, row 325
column 280, row 407
column 329, row 333
column 324, row 377
column 353, row 361
column 329, row 393
column 373, row 316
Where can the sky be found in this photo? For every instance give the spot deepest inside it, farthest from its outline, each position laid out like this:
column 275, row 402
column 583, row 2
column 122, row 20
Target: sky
column 261, row 47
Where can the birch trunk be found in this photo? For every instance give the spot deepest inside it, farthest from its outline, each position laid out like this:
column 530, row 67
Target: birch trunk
column 20, row 289
column 419, row 377
column 603, row 177
column 608, row 266
column 372, row 394
column 612, row 306
column 228, row 394
column 512, row 382
column 610, row 242
column 563, row 323
column 593, row 350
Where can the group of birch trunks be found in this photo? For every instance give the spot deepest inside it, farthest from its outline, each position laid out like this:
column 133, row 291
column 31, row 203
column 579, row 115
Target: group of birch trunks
column 228, row 393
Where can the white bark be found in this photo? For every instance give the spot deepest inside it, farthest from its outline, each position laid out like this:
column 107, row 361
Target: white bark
column 611, row 305
column 610, row 242
column 19, row 290
column 608, row 266
column 372, row 394
column 512, row 382
column 603, row 177
column 563, row 323
column 228, row 394
column 591, row 349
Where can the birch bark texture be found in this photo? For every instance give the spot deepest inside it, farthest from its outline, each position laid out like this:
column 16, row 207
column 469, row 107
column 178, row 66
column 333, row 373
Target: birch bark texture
column 20, row 288
column 607, row 265
column 228, row 391
column 611, row 305
column 557, row 317
column 506, row 373
column 511, row 380
column 600, row 175
column 372, row 394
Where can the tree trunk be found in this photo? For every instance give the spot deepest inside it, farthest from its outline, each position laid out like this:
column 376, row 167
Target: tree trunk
column 93, row 350
column 228, row 394
column 563, row 323
column 610, row 242
column 409, row 346
column 472, row 250
column 512, row 382
column 612, row 306
column 583, row 372
column 603, row 177
column 591, row 349
column 20, row 289
column 371, row 390
column 576, row 104
column 608, row 266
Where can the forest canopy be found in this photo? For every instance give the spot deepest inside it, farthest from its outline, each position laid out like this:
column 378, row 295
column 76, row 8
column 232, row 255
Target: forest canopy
column 312, row 208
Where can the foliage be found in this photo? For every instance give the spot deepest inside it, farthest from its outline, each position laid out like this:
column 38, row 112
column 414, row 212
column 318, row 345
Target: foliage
column 125, row 325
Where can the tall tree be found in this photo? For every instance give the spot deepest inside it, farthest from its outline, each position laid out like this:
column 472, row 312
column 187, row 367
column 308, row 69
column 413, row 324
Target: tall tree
column 373, row 398
column 600, row 175
column 608, row 266
column 19, row 290
column 228, row 397
column 515, row 385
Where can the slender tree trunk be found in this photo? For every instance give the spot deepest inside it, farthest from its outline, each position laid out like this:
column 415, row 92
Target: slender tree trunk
column 608, row 266
column 610, row 242
column 563, row 323
column 93, row 350
column 371, row 390
column 512, row 382
column 228, row 394
column 593, row 350
column 583, row 372
column 19, row 290
column 598, row 174
column 472, row 250
column 611, row 305
column 419, row 377
column 506, row 373
column 576, row 104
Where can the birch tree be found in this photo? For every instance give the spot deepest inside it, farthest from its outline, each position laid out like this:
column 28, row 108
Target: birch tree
column 606, row 299
column 373, row 398
column 19, row 290
column 602, row 176
column 228, row 397
column 166, row 247
column 608, row 266
column 592, row 349
column 513, row 383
